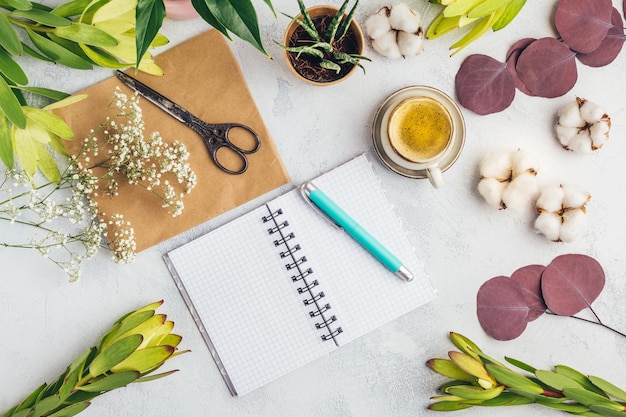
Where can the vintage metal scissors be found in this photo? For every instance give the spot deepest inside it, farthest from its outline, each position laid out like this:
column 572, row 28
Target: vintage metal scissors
column 216, row 136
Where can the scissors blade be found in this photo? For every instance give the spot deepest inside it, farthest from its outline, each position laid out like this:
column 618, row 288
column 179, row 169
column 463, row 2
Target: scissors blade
column 157, row 98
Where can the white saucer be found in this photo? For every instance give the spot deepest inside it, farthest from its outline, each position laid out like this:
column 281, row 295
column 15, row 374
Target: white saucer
column 381, row 139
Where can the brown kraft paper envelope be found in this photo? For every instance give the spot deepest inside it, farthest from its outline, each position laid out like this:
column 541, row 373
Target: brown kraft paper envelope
column 202, row 76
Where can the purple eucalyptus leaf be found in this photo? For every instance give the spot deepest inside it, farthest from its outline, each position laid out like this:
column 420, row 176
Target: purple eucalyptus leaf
column 501, row 308
column 571, row 283
column 610, row 46
column 511, row 62
column 583, row 24
column 529, row 278
column 483, row 85
column 547, row 68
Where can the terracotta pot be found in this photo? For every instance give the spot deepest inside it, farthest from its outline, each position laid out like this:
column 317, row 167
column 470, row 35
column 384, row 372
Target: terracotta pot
column 317, row 11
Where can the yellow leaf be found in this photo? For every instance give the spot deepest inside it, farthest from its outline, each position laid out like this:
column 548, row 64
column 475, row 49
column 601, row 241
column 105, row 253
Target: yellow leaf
column 47, row 165
column 38, row 132
column 113, row 9
column 144, row 359
column 471, row 366
column 25, row 151
column 49, row 121
column 66, row 101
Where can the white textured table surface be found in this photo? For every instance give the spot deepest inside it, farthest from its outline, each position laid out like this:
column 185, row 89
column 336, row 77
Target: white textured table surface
column 46, row 320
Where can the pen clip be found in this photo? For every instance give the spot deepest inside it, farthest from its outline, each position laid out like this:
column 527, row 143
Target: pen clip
column 305, row 189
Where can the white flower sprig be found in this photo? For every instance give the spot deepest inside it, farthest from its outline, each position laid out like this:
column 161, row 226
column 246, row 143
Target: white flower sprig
column 64, row 218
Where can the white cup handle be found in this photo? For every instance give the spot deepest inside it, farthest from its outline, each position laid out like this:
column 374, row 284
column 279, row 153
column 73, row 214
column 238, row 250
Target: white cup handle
column 435, row 176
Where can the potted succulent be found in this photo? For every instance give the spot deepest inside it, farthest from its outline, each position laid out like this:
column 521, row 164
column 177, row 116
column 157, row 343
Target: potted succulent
column 324, row 45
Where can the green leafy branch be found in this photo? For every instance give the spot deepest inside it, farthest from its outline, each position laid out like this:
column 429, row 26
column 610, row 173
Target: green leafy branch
column 477, row 380
column 137, row 345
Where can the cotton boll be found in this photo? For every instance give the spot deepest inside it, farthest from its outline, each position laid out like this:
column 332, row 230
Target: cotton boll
column 569, row 115
column 520, row 191
column 378, row 24
column 549, row 224
column 591, row 112
column 565, row 134
column 581, row 142
column 491, row 190
column 497, row 165
column 404, row 19
column 574, row 225
column 551, row 199
column 522, row 161
column 387, row 46
column 599, row 133
column 574, row 196
column 411, row 44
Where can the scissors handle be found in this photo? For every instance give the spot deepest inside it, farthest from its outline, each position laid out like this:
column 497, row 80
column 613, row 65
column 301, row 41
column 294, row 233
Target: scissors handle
column 218, row 141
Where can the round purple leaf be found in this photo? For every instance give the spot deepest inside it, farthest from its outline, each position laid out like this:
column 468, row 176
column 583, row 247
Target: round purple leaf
column 571, row 283
column 511, row 62
column 547, row 68
column 483, row 85
column 583, row 24
column 501, row 308
column 529, row 278
column 610, row 47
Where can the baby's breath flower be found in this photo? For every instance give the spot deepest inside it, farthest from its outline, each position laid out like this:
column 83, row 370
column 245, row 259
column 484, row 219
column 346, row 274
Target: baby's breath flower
column 64, row 217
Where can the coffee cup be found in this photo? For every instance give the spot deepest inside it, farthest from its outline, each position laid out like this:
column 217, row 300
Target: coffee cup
column 419, row 132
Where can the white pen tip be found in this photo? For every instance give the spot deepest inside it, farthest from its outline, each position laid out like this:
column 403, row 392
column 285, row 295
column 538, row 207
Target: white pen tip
column 404, row 273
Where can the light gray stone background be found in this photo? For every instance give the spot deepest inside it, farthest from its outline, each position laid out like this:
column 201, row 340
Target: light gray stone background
column 47, row 321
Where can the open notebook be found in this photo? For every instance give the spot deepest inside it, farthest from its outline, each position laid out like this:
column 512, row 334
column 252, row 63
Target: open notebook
column 281, row 285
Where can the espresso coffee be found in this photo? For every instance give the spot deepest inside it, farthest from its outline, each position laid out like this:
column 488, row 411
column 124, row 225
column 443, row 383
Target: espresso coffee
column 420, row 129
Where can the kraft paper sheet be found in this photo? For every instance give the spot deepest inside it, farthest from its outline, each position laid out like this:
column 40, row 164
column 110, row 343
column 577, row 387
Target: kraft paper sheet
column 202, row 76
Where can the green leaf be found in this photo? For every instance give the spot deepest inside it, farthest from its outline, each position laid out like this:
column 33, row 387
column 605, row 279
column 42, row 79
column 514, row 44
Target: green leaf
column 102, row 60
column 44, row 92
column 45, row 405
column 208, row 17
column 157, row 376
column 87, row 34
column 607, row 411
column 125, row 326
column 239, row 17
column 472, row 366
column 149, row 17
column 57, row 52
column 448, row 406
column 590, row 398
column 578, row 377
column 49, row 121
column 111, row 382
column 30, row 51
column 487, row 7
column 555, row 380
column 11, row 69
column 42, row 17
column 144, row 359
column 507, row 399
column 476, row 393
column 114, row 354
column 69, row 383
column 465, row 345
column 569, row 407
column 71, row 410
column 448, row 368
column 66, row 101
column 522, row 365
column 47, row 164
column 511, row 11
column 6, row 143
column 20, row 4
column 608, row 387
column 514, row 380
column 71, row 8
column 10, row 105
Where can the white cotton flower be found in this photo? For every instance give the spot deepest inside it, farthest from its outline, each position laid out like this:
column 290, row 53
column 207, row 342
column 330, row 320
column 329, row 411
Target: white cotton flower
column 582, row 126
column 396, row 32
column 378, row 24
column 562, row 213
column 508, row 179
column 387, row 46
column 404, row 19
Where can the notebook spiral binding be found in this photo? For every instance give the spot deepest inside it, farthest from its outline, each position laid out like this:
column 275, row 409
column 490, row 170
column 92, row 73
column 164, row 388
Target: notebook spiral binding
column 307, row 286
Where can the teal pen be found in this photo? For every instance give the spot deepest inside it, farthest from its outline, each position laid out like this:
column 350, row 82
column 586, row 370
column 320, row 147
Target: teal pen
column 342, row 219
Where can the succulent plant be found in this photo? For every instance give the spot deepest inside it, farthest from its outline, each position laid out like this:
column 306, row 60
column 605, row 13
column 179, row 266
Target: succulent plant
column 479, row 380
column 323, row 46
column 136, row 345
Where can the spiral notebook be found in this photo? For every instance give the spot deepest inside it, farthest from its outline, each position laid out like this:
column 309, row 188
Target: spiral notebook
column 281, row 286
